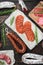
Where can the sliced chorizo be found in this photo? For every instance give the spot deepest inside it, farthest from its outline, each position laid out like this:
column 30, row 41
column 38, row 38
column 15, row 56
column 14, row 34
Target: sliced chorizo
column 19, row 23
column 6, row 58
column 40, row 21
column 30, row 35
column 38, row 12
column 27, row 25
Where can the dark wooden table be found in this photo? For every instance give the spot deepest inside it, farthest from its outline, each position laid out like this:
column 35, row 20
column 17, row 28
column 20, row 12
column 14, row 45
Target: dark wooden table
column 38, row 49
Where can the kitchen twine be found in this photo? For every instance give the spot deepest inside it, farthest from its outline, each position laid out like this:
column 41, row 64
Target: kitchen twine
column 36, row 59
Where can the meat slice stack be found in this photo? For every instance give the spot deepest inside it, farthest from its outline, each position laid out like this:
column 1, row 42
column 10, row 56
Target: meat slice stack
column 24, row 27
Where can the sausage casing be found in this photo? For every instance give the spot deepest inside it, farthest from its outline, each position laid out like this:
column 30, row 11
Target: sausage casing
column 13, row 37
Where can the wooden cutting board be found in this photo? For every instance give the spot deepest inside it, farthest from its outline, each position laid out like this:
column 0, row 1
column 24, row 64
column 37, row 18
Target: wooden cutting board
column 32, row 16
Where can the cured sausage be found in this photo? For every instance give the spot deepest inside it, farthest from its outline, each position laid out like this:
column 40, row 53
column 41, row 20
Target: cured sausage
column 19, row 23
column 13, row 37
column 6, row 58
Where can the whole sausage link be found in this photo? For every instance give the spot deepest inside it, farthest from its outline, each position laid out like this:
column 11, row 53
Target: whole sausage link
column 10, row 36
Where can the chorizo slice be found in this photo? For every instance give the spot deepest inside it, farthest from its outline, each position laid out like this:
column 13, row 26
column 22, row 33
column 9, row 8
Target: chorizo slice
column 6, row 58
column 19, row 23
column 30, row 35
column 13, row 37
column 27, row 25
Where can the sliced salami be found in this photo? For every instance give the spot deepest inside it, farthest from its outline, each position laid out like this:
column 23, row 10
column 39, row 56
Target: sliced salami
column 38, row 12
column 19, row 23
column 6, row 58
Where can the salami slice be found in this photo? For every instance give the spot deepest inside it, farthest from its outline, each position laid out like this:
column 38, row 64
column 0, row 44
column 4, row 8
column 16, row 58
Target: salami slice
column 38, row 12
column 19, row 23
column 40, row 21
column 39, row 15
column 6, row 58
column 2, row 56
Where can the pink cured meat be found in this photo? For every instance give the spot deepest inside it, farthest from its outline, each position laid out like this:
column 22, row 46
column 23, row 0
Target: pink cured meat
column 2, row 56
column 36, row 10
column 40, row 21
column 6, row 58
column 39, row 15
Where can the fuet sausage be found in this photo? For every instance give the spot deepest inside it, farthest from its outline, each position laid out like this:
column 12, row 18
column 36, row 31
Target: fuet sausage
column 13, row 37
column 6, row 58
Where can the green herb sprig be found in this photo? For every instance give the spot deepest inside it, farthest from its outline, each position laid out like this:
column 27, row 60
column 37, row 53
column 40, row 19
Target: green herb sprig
column 3, row 35
column 2, row 63
column 36, row 35
column 7, row 11
column 11, row 20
